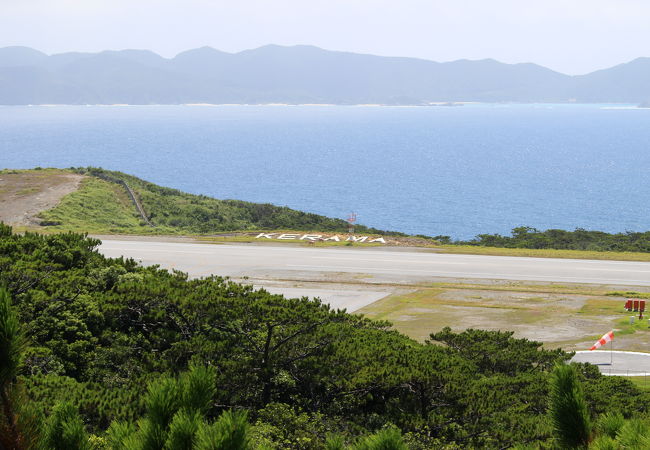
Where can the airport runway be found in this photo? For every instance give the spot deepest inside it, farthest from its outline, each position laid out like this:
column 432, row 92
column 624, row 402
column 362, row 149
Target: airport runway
column 632, row 364
column 389, row 265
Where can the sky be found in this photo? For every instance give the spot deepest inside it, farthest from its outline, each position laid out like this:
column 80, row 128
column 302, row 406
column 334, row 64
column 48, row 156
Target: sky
column 570, row 36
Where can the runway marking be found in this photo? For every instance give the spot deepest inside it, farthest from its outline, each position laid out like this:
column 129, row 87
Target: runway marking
column 194, row 252
column 388, row 260
column 363, row 268
column 460, row 263
column 209, row 258
column 154, row 250
column 613, row 270
column 467, row 274
column 224, row 247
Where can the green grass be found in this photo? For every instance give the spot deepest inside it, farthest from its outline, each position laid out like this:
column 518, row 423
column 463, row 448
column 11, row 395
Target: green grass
column 642, row 382
column 39, row 171
column 424, row 311
column 101, row 205
column 624, row 326
column 518, row 286
column 630, row 294
column 27, row 191
column 599, row 307
column 527, row 308
column 545, row 253
column 97, row 207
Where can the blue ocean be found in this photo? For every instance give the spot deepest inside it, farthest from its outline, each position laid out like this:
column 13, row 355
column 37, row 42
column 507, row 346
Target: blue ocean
column 456, row 171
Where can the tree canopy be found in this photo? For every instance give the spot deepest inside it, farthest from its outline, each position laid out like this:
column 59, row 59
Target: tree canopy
column 99, row 331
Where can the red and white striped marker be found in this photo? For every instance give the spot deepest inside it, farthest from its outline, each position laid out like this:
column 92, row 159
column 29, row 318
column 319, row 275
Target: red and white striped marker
column 607, row 337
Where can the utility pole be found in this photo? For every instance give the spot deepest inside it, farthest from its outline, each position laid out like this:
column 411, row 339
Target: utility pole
column 352, row 218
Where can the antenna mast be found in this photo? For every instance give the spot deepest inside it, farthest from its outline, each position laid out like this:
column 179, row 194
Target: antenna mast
column 352, row 219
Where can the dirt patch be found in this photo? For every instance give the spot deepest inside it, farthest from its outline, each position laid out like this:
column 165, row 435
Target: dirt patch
column 23, row 195
column 515, row 300
column 558, row 319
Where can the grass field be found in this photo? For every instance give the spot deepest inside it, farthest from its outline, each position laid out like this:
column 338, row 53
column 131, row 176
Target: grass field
column 101, row 205
column 642, row 382
column 97, row 207
column 571, row 317
column 545, row 253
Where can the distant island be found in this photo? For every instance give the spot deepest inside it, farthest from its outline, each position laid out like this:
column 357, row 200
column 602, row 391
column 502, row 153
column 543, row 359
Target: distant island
column 298, row 75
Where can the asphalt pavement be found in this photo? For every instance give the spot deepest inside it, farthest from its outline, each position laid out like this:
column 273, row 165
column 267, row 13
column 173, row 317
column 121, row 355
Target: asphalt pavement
column 267, row 261
column 633, row 364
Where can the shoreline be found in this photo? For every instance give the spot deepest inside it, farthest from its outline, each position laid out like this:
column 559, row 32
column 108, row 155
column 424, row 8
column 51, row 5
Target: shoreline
column 374, row 105
column 364, row 105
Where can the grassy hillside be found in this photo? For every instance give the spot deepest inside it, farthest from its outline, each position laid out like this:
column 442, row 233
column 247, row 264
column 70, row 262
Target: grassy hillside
column 102, row 205
column 98, row 206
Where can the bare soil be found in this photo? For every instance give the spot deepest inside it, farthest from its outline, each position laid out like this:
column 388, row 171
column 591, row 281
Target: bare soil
column 561, row 319
column 23, row 195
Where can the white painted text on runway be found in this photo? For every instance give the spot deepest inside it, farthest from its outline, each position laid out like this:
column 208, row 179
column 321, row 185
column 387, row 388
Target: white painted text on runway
column 320, row 237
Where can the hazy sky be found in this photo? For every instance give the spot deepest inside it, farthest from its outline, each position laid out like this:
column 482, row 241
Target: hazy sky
column 571, row 36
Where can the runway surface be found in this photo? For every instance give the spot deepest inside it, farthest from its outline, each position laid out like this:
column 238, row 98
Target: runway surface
column 253, row 260
column 631, row 364
column 267, row 262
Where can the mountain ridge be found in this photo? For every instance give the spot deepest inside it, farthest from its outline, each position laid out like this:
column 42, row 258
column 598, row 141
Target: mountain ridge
column 299, row 74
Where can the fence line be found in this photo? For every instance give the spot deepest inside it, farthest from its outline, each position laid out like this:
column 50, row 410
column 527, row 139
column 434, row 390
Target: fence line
column 129, row 191
column 137, row 204
column 623, row 373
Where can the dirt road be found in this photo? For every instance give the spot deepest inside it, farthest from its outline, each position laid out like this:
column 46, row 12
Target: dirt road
column 23, row 195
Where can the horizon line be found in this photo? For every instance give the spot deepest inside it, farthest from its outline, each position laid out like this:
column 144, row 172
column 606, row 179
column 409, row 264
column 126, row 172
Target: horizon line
column 317, row 48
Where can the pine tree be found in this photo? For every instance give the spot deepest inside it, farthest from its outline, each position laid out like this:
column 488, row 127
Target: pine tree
column 12, row 345
column 385, row 439
column 64, row 430
column 568, row 408
column 176, row 418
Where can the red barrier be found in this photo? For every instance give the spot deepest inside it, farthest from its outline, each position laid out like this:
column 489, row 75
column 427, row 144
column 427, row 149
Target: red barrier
column 641, row 305
column 636, row 305
column 628, row 305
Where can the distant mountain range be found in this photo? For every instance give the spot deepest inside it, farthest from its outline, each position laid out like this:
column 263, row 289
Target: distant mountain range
column 298, row 74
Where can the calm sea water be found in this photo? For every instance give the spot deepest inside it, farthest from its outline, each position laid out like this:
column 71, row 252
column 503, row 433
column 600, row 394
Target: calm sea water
column 457, row 171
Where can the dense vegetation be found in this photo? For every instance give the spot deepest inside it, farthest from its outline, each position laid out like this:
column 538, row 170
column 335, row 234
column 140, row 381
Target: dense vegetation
column 103, row 205
column 573, row 425
column 527, row 237
column 98, row 331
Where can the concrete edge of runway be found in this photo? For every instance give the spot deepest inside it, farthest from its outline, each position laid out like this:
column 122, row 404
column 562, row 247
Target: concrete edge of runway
column 616, row 372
